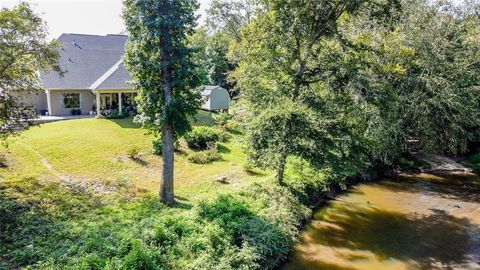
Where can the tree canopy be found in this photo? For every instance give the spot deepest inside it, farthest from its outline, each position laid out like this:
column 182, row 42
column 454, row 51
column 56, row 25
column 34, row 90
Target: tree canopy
column 24, row 51
column 353, row 84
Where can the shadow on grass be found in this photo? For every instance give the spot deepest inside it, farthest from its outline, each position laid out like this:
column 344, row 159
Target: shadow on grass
column 255, row 172
column 140, row 161
column 202, row 118
column 126, row 123
column 234, row 131
column 3, row 161
column 182, row 203
column 222, row 149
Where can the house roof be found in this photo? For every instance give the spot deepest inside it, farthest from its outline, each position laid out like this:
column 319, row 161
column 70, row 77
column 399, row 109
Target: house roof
column 91, row 62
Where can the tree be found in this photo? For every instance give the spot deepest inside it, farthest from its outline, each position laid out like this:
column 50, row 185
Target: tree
column 292, row 110
column 24, row 50
column 161, row 65
column 230, row 16
column 211, row 57
column 418, row 85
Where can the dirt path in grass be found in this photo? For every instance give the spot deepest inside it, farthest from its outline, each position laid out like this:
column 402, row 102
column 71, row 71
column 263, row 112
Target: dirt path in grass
column 75, row 183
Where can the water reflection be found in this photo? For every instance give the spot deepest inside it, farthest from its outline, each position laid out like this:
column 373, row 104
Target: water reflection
column 421, row 222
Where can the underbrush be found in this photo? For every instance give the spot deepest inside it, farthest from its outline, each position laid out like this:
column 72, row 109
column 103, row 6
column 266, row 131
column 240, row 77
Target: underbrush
column 47, row 226
column 410, row 162
column 473, row 161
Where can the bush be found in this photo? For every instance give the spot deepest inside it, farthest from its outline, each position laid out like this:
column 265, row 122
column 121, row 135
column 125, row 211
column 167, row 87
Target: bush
column 133, row 151
column 115, row 114
column 205, row 157
column 223, row 136
column 221, row 119
column 76, row 112
column 202, row 137
column 157, row 145
column 227, row 211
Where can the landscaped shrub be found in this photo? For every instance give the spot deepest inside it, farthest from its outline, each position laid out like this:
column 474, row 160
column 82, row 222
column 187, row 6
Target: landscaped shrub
column 202, row 137
column 224, row 136
column 115, row 114
column 75, row 112
column 204, row 157
column 221, row 119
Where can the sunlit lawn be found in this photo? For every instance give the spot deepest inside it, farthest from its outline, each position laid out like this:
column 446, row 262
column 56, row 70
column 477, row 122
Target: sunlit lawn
column 94, row 151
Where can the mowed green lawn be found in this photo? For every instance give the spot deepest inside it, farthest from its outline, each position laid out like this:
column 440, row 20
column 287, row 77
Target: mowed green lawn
column 92, row 152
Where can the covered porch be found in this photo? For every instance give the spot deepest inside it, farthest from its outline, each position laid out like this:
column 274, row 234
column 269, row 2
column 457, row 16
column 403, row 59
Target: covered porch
column 109, row 102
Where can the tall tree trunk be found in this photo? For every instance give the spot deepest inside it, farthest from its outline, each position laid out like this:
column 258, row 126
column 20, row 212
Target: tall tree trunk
column 166, row 189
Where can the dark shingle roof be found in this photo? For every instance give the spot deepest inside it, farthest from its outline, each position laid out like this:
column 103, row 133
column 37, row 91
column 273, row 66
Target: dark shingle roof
column 90, row 60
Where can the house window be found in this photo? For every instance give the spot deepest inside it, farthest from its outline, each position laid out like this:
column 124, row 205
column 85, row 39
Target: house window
column 71, row 100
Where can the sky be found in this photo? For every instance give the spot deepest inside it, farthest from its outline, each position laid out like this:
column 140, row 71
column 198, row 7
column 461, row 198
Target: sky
column 97, row 17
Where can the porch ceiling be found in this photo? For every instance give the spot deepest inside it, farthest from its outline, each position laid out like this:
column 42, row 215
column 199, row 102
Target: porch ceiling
column 112, row 91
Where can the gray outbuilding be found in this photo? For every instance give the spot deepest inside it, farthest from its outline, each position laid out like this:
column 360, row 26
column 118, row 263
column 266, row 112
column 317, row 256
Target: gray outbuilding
column 215, row 97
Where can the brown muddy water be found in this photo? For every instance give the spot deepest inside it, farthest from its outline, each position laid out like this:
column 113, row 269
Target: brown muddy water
column 416, row 222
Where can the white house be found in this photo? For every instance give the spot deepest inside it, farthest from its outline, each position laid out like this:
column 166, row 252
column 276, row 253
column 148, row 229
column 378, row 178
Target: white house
column 96, row 79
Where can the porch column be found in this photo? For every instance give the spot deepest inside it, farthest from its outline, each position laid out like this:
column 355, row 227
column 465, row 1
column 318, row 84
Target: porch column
column 97, row 97
column 49, row 102
column 120, row 102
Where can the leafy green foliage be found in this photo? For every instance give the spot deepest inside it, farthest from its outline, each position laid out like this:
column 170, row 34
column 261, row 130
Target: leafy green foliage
column 222, row 119
column 291, row 110
column 410, row 162
column 416, row 85
column 157, row 146
column 202, row 137
column 24, row 50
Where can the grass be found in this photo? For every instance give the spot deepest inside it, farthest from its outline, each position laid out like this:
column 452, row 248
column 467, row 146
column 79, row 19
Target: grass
column 68, row 191
column 95, row 151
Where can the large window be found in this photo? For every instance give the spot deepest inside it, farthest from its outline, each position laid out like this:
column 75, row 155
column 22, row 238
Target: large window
column 71, row 100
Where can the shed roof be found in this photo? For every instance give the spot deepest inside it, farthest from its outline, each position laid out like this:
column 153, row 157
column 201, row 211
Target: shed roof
column 208, row 89
column 90, row 61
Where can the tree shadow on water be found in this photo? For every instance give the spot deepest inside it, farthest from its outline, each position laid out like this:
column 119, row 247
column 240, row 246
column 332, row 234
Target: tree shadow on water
column 460, row 187
column 429, row 241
